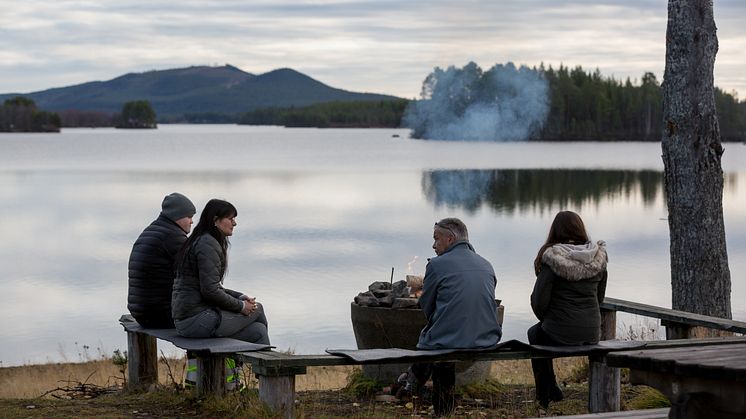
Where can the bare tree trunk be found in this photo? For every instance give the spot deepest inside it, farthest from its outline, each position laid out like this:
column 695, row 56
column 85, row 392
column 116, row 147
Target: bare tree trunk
column 700, row 278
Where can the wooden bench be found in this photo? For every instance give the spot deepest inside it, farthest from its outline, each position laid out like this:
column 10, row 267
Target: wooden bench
column 277, row 371
column 210, row 354
column 700, row 382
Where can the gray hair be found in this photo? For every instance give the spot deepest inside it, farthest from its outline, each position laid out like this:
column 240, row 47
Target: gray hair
column 454, row 227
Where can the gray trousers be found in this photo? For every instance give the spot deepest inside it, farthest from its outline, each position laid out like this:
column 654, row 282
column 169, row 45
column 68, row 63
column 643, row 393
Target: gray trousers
column 226, row 324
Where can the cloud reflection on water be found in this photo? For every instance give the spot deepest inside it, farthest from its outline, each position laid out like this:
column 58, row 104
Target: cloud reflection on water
column 307, row 241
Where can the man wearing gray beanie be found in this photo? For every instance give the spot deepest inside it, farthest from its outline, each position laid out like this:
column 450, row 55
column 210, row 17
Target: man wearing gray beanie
column 151, row 263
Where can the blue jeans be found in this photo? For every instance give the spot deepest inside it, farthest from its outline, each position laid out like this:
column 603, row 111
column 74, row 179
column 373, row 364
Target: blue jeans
column 220, row 323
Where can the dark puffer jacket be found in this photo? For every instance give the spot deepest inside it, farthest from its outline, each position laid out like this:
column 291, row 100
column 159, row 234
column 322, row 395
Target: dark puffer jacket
column 198, row 284
column 151, row 273
column 568, row 291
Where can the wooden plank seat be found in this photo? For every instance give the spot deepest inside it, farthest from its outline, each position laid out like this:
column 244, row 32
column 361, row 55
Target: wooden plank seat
column 142, row 353
column 276, row 371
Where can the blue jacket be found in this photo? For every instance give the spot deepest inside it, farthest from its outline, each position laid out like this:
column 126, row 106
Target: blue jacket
column 458, row 299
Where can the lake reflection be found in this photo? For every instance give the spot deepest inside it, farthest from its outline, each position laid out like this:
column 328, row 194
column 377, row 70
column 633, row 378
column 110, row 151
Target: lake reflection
column 322, row 214
column 513, row 190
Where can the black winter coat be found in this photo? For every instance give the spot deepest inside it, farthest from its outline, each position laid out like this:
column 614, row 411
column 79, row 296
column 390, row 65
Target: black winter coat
column 151, row 273
column 568, row 291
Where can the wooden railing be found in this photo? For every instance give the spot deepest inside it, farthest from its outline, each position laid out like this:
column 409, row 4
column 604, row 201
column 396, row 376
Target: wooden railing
column 678, row 324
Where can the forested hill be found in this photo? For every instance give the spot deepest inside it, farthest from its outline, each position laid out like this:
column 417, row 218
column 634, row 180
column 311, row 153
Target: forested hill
column 195, row 90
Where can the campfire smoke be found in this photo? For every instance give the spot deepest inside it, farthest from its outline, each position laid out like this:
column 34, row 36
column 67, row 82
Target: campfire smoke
column 504, row 103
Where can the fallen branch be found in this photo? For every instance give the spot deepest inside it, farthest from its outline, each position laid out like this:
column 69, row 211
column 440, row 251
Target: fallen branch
column 78, row 390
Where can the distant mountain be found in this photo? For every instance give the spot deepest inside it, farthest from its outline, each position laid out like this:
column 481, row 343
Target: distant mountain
column 202, row 89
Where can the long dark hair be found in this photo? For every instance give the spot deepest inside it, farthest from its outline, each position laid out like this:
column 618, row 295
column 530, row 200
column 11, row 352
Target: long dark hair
column 567, row 227
column 215, row 209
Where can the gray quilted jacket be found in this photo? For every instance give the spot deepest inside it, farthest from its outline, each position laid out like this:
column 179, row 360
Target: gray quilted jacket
column 198, row 284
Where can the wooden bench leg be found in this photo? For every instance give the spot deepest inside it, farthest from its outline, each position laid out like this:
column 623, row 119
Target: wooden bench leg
column 211, row 375
column 444, row 382
column 604, row 383
column 278, row 393
column 277, row 388
column 604, row 389
column 142, row 362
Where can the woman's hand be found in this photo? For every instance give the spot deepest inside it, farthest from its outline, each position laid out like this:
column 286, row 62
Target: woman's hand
column 249, row 306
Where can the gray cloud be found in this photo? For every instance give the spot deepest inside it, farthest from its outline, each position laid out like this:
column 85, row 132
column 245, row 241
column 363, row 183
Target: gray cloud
column 381, row 46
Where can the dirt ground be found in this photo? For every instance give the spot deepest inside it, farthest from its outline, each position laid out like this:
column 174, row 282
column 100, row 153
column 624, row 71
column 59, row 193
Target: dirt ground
column 321, row 394
column 513, row 401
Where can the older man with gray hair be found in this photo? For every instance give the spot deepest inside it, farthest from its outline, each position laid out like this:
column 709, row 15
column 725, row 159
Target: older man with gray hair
column 458, row 300
column 458, row 295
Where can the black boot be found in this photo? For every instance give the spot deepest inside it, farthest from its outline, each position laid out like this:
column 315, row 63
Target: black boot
column 555, row 394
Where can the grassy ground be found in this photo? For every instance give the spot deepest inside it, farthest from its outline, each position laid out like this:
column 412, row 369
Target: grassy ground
column 321, row 394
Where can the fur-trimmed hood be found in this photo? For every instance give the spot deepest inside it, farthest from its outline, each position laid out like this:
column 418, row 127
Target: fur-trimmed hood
column 575, row 262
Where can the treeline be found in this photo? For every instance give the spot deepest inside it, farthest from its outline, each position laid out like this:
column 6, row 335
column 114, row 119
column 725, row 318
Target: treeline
column 583, row 106
column 588, row 106
column 20, row 114
column 135, row 114
column 357, row 114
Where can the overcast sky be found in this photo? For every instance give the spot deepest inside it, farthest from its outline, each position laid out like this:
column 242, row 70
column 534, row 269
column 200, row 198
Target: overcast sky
column 384, row 46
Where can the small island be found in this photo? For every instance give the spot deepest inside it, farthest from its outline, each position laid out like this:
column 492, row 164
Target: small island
column 20, row 114
column 137, row 114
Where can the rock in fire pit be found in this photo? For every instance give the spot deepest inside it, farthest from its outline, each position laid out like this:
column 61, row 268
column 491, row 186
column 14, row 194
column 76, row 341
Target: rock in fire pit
column 400, row 294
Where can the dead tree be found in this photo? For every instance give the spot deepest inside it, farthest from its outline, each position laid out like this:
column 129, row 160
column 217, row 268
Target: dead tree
column 700, row 277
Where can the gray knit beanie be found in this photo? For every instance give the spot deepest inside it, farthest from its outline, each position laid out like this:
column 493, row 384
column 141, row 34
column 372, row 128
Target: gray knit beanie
column 176, row 206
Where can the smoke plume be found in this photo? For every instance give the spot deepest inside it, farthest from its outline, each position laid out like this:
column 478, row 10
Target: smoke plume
column 504, row 103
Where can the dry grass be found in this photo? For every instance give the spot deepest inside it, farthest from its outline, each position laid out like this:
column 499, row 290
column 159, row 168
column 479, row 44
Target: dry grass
column 324, row 378
column 33, row 380
column 508, row 394
column 519, row 371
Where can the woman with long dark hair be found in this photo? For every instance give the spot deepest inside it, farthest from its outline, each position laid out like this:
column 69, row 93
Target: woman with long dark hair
column 201, row 306
column 570, row 285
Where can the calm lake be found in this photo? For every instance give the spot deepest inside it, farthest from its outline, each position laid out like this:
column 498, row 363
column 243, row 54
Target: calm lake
column 322, row 214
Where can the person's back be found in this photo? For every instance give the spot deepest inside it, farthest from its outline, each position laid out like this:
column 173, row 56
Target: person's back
column 458, row 300
column 458, row 295
column 570, row 284
column 151, row 263
column 569, row 307
column 462, row 312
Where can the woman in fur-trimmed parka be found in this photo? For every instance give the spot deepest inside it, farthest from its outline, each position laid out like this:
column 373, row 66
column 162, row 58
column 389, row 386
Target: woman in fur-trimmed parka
column 570, row 285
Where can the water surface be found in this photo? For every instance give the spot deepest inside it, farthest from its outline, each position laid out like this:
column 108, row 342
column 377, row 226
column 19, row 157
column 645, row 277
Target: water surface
column 322, row 213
